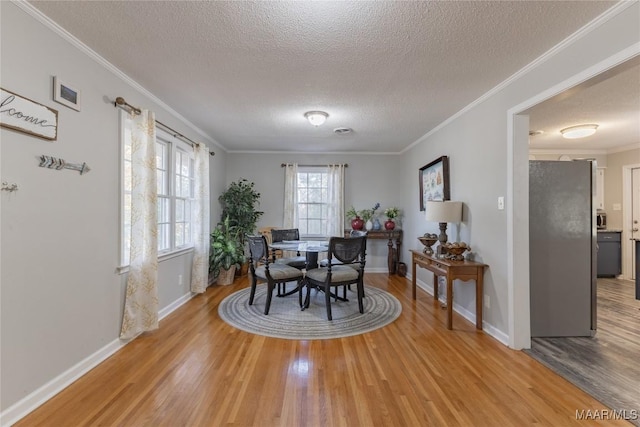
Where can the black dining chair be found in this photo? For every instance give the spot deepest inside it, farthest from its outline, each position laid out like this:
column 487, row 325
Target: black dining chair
column 280, row 235
column 335, row 261
column 349, row 251
column 271, row 273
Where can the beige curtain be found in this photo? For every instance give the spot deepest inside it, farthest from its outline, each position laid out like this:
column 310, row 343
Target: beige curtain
column 335, row 189
column 291, row 196
column 141, row 298
column 200, row 267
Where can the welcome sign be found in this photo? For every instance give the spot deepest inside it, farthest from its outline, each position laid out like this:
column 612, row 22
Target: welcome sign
column 27, row 116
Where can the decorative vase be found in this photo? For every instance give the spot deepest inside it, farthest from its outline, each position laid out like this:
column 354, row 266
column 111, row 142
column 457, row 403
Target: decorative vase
column 369, row 225
column 376, row 224
column 357, row 223
column 389, row 224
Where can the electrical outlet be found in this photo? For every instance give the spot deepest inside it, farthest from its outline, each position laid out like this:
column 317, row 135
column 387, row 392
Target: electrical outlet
column 501, row 203
column 487, row 301
column 180, row 283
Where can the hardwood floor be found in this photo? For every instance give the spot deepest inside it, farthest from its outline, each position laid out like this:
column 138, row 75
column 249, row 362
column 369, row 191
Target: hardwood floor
column 198, row 371
column 606, row 366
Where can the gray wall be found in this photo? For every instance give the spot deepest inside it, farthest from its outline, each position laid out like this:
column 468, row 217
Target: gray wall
column 61, row 296
column 368, row 179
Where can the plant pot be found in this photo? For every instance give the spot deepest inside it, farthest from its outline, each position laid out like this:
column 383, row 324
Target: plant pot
column 389, row 225
column 243, row 270
column 357, row 223
column 226, row 277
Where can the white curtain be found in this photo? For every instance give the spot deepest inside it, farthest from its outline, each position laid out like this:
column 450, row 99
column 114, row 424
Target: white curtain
column 141, row 298
column 291, row 196
column 335, row 188
column 200, row 267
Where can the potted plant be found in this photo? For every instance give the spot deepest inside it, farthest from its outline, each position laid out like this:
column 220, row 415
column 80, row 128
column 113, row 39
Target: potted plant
column 227, row 254
column 367, row 216
column 240, row 204
column 391, row 213
column 356, row 222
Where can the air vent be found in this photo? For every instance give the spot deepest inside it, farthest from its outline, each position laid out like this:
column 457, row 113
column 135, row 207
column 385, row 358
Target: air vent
column 343, row 131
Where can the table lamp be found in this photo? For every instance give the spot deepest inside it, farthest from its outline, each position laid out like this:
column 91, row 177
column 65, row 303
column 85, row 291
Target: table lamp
column 443, row 212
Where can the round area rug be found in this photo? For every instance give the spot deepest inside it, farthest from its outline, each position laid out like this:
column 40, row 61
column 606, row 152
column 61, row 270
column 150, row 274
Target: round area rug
column 286, row 320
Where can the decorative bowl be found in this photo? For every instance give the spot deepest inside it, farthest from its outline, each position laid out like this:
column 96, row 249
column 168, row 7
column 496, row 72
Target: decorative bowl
column 455, row 250
column 428, row 242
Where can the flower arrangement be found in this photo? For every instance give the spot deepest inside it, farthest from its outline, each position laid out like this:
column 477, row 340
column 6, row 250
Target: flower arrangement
column 352, row 213
column 367, row 214
column 392, row 212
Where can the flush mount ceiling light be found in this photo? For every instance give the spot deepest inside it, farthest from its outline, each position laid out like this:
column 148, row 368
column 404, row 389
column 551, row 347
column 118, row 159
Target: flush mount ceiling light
column 579, row 131
column 316, row 118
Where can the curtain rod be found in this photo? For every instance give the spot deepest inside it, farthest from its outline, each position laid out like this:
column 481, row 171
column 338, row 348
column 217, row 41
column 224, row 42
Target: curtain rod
column 120, row 102
column 346, row 165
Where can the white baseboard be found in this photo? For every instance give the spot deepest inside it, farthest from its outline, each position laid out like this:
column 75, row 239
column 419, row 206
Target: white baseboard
column 25, row 406
column 488, row 328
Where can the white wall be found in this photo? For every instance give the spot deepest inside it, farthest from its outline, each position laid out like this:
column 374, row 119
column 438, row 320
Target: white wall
column 61, row 296
column 613, row 184
column 368, row 179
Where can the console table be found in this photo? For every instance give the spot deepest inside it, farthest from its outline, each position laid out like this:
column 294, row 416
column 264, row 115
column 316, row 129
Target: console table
column 452, row 270
column 392, row 237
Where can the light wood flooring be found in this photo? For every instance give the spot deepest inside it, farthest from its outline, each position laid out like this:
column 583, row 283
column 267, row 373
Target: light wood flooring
column 607, row 366
column 198, row 371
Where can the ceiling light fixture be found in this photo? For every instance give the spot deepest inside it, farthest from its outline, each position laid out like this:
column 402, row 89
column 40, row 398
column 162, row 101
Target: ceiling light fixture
column 579, row 131
column 316, row 118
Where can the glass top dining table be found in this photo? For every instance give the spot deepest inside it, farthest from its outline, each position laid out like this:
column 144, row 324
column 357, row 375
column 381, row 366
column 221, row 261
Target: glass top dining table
column 311, row 248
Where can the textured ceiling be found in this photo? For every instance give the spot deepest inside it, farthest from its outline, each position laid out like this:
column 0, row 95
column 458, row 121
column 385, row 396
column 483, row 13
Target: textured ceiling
column 246, row 72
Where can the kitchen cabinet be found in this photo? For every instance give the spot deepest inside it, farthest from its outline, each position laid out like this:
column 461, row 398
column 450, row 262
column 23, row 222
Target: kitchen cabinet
column 609, row 253
column 600, row 188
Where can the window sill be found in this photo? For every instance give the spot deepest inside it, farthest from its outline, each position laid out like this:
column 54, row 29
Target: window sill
column 162, row 257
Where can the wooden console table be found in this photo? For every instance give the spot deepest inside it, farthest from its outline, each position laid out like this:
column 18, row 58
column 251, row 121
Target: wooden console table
column 452, row 270
column 393, row 256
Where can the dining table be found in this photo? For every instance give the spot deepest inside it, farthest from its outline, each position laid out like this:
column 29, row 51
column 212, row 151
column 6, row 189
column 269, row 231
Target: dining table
column 310, row 248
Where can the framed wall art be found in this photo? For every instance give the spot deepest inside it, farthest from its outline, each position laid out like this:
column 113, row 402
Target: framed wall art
column 24, row 115
column 434, row 181
column 66, row 94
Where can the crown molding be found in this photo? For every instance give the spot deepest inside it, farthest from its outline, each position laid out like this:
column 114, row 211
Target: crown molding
column 622, row 148
column 586, row 29
column 52, row 25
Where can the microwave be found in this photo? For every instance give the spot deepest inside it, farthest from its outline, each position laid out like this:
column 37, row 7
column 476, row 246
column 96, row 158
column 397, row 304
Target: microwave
column 601, row 221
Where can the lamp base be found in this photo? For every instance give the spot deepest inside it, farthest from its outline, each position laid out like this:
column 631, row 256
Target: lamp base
column 442, row 239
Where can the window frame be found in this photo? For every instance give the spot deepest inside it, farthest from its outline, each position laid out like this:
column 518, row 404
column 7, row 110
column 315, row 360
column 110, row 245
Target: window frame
column 174, row 146
column 325, row 205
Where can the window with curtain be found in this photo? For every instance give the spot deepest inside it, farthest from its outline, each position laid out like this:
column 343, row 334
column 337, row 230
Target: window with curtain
column 175, row 188
column 314, row 201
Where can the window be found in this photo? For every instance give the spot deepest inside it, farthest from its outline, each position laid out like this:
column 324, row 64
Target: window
column 175, row 187
column 313, row 203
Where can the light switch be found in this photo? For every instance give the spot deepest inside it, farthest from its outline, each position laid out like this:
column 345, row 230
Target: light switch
column 501, row 203
column 617, row 207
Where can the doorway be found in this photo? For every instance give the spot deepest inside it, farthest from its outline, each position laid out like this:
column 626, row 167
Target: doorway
column 630, row 218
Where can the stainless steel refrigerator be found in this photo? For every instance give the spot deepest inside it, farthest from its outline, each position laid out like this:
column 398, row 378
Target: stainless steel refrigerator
column 562, row 248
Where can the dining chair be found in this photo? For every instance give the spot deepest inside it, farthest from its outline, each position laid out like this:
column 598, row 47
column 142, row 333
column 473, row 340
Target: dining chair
column 271, row 273
column 280, row 235
column 352, row 233
column 348, row 250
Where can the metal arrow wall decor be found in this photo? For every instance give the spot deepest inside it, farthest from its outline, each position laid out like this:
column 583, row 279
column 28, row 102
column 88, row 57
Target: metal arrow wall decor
column 58, row 164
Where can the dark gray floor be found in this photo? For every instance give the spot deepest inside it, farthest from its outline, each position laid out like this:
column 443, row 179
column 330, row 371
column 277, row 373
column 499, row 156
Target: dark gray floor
column 606, row 366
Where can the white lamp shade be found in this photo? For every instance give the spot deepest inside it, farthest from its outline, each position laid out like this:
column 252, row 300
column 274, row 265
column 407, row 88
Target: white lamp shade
column 446, row 211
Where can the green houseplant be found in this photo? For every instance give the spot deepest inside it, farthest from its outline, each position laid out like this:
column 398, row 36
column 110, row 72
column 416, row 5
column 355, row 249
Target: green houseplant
column 240, row 203
column 226, row 253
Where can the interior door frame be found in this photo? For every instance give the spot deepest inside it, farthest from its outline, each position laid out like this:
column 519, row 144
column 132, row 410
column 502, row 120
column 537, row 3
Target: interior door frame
column 518, row 284
column 627, row 246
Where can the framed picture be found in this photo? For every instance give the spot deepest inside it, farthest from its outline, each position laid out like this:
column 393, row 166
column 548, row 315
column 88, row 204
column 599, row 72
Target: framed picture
column 66, row 94
column 434, row 181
